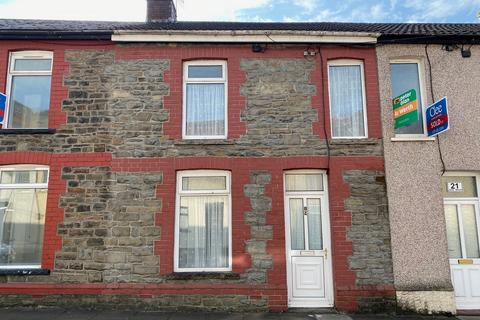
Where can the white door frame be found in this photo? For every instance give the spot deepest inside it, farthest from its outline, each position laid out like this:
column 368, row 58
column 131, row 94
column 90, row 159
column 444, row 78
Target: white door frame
column 462, row 303
column 328, row 301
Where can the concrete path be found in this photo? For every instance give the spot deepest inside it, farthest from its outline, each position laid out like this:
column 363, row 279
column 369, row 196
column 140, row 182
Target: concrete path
column 60, row 314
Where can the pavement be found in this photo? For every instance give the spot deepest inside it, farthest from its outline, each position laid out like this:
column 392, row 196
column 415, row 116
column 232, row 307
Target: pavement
column 62, row 314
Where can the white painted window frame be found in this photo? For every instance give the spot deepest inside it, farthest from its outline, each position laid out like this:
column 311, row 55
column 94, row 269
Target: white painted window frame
column 24, row 167
column 180, row 192
column 349, row 62
column 19, row 55
column 421, row 81
column 187, row 80
column 460, row 201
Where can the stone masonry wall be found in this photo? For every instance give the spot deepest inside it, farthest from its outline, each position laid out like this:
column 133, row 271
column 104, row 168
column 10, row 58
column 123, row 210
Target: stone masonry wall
column 109, row 228
column 370, row 235
column 260, row 231
column 118, row 106
column 184, row 303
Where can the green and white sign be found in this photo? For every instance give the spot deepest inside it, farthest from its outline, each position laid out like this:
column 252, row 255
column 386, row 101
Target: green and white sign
column 405, row 108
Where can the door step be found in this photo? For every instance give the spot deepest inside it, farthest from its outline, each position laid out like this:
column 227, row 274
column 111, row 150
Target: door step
column 313, row 310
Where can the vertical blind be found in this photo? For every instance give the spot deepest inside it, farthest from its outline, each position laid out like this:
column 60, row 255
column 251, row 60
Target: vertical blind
column 203, row 236
column 346, row 101
column 205, row 109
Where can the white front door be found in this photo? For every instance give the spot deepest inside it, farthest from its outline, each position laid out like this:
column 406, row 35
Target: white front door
column 462, row 217
column 308, row 240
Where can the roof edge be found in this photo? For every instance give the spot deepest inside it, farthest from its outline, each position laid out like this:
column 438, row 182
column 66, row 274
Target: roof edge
column 244, row 36
column 55, row 35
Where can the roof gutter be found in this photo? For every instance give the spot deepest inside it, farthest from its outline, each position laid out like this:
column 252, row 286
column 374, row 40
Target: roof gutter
column 244, row 36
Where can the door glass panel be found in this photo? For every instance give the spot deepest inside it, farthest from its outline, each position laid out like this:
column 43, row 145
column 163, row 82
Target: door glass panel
column 453, row 232
column 314, row 224
column 297, row 233
column 470, row 231
column 459, row 187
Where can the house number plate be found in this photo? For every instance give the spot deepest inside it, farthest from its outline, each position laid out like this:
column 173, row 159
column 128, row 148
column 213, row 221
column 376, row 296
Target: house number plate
column 455, row 187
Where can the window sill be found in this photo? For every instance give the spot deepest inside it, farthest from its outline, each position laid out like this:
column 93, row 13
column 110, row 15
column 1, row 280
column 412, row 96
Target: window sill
column 412, row 139
column 204, row 142
column 27, row 131
column 24, row 272
column 363, row 141
column 203, row 276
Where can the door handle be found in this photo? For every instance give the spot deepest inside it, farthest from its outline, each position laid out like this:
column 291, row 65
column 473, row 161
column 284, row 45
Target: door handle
column 326, row 254
column 305, row 211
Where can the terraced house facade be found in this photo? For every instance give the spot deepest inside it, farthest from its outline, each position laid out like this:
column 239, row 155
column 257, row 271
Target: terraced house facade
column 218, row 166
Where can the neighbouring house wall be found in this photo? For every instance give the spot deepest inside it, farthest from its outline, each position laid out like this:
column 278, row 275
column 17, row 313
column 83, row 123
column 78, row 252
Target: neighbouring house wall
column 111, row 204
column 414, row 170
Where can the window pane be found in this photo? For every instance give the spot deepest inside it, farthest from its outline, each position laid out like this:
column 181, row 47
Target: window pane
column 459, row 187
column 33, row 64
column 314, row 224
column 204, row 183
column 205, row 71
column 470, row 230
column 203, row 232
column 27, row 176
column 29, row 102
column 205, row 110
column 22, row 217
column 346, row 101
column 304, row 182
column 453, row 232
column 404, row 78
column 297, row 231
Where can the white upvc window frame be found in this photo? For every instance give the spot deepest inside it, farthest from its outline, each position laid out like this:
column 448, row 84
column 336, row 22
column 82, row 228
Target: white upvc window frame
column 24, row 167
column 421, row 80
column 19, row 55
column 180, row 192
column 349, row 62
column 187, row 80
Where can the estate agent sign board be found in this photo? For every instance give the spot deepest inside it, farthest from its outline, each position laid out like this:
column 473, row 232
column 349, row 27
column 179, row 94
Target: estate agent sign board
column 437, row 118
column 3, row 102
column 405, row 108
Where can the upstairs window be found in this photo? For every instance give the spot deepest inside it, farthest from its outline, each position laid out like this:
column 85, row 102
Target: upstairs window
column 28, row 90
column 348, row 114
column 205, row 100
column 406, row 76
column 23, row 202
column 203, row 229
